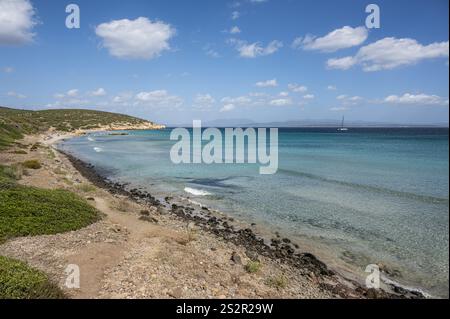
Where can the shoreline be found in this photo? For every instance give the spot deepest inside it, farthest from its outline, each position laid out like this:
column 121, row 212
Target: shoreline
column 278, row 249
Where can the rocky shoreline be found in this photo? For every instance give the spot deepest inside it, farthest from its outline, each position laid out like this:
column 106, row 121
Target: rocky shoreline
column 279, row 249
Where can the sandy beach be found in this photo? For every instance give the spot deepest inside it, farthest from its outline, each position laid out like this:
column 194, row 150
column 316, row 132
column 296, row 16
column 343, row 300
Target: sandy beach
column 145, row 249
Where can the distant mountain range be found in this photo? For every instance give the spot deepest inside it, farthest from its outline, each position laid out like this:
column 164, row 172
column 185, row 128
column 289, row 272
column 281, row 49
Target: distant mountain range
column 305, row 123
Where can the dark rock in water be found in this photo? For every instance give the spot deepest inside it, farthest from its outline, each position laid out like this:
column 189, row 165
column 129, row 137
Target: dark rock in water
column 399, row 290
column 236, row 258
column 296, row 246
column 253, row 224
column 205, row 208
column 149, row 219
column 286, row 240
column 373, row 293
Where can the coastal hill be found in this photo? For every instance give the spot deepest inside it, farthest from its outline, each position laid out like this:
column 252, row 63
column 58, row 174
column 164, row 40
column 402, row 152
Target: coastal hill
column 15, row 123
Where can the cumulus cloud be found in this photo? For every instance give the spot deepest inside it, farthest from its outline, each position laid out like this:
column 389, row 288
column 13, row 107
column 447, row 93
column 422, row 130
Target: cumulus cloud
column 72, row 93
column 297, row 88
column 349, row 100
column 331, row 88
column 158, row 98
column 390, row 53
column 204, row 101
column 227, row 107
column 135, row 39
column 309, row 96
column 256, row 49
column 17, row 20
column 280, row 102
column 99, row 92
column 416, row 99
column 345, row 37
column 235, row 30
column 235, row 15
column 268, row 83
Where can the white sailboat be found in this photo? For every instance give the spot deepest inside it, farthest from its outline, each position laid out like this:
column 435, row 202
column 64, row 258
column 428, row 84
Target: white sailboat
column 342, row 128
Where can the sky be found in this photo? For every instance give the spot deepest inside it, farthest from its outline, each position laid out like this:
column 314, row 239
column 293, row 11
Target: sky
column 263, row 60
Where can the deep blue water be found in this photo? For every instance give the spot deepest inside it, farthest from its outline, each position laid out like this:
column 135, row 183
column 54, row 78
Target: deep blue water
column 365, row 196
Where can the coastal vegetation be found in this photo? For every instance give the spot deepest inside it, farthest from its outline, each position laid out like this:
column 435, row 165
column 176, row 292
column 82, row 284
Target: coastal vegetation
column 14, row 124
column 52, row 211
column 19, row 281
column 30, row 211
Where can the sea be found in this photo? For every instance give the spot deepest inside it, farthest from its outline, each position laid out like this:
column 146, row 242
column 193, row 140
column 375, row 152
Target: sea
column 365, row 196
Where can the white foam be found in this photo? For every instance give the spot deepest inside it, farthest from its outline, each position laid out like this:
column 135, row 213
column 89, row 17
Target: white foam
column 196, row 192
column 98, row 149
column 90, row 139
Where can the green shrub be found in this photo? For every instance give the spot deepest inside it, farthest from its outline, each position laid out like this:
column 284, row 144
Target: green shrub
column 32, row 164
column 278, row 282
column 252, row 267
column 29, row 211
column 19, row 281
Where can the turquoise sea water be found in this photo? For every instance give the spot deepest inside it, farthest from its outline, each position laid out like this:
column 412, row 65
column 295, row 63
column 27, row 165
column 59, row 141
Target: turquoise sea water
column 366, row 196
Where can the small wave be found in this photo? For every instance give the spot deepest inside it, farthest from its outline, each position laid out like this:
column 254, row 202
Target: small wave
column 408, row 288
column 90, row 139
column 196, row 192
column 98, row 149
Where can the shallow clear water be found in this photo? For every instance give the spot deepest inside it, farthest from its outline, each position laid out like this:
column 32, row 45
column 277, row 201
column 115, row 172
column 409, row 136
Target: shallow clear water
column 368, row 195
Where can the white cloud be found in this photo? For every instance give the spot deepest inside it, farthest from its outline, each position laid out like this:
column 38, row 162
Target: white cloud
column 342, row 63
column 235, row 15
column 284, row 94
column 8, row 69
column 204, row 101
column 349, row 100
column 17, row 20
column 268, row 83
column 158, row 98
column 253, row 50
column 72, row 93
column 135, row 39
column 297, row 88
column 339, row 108
column 235, row 30
column 345, row 37
column 390, row 53
column 416, row 99
column 240, row 100
column 308, row 96
column 210, row 51
column 280, row 102
column 99, row 92
column 227, row 108
column 16, row 95
column 332, row 88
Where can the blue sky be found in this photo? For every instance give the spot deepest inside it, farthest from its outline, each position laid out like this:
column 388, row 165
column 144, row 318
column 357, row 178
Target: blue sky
column 274, row 60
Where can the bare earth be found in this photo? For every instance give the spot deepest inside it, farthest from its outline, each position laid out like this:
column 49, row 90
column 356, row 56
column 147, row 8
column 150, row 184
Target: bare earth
column 122, row 256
